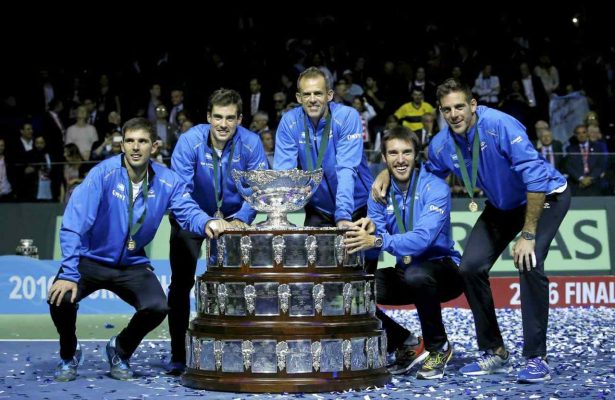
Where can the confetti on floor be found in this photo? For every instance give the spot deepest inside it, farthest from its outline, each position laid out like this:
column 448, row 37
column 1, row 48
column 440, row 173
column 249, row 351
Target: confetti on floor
column 581, row 354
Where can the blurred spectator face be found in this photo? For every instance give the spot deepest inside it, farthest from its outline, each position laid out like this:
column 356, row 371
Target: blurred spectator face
column 420, row 74
column 417, row 97
column 39, row 143
column 594, row 133
column 456, row 72
column 27, row 132
column 181, row 117
column 267, row 139
column 546, row 138
column 155, row 91
column 524, row 69
column 255, row 87
column 2, row 146
column 592, row 119
column 116, row 143
column 89, row 105
column 187, row 124
column 370, row 83
column 82, row 113
column 357, row 104
column 540, row 126
column 279, row 101
column 177, row 97
column 161, row 112
column 427, row 120
column 114, row 118
column 581, row 134
column 391, row 122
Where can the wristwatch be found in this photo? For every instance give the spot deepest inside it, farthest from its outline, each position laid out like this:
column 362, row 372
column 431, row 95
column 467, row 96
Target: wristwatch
column 528, row 235
column 378, row 242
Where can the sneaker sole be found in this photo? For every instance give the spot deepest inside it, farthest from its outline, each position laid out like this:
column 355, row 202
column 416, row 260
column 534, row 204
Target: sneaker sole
column 417, row 360
column 535, row 380
column 492, row 372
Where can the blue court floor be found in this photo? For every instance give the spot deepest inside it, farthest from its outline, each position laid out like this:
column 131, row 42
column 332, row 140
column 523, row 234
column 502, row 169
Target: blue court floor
column 581, row 347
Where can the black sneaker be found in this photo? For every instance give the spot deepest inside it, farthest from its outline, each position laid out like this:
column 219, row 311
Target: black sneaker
column 407, row 357
column 120, row 368
column 176, row 368
column 66, row 370
column 434, row 365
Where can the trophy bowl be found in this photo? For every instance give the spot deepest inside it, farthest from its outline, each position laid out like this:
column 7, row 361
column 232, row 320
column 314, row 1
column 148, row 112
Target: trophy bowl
column 277, row 192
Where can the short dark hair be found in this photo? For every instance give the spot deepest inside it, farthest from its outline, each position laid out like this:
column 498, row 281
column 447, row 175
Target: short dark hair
column 452, row 85
column 134, row 124
column 402, row 133
column 313, row 72
column 225, row 97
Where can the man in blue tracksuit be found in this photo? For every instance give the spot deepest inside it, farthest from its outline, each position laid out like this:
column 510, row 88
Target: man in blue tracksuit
column 525, row 194
column 108, row 221
column 204, row 157
column 414, row 226
column 323, row 134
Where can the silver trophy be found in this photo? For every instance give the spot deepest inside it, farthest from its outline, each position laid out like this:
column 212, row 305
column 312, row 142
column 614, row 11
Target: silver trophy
column 277, row 192
column 27, row 248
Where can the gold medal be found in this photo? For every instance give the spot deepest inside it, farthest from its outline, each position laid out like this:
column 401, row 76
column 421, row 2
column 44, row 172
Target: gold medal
column 218, row 214
column 473, row 207
column 131, row 245
column 407, row 260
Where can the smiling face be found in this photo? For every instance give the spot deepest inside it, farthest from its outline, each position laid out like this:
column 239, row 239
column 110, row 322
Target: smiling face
column 138, row 148
column 459, row 113
column 314, row 96
column 399, row 156
column 224, row 121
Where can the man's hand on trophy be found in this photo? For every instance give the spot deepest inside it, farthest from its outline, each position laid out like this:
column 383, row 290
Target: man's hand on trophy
column 357, row 239
column 238, row 224
column 216, row 227
column 344, row 224
column 367, row 224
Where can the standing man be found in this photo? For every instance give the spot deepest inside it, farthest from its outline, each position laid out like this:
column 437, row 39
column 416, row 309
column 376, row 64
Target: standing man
column 322, row 134
column 525, row 194
column 204, row 157
column 108, row 221
column 415, row 226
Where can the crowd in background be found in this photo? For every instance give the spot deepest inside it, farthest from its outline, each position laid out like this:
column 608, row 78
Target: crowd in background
column 62, row 105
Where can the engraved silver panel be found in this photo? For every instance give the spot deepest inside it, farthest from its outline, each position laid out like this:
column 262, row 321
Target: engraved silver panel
column 347, row 294
column 232, row 356
column 266, row 301
column 347, row 353
column 232, row 257
column 325, row 255
column 283, row 297
column 235, row 300
column 211, row 300
column 278, row 249
column 246, row 249
column 316, row 353
column 373, row 353
column 218, row 351
column 264, row 357
column 247, row 349
column 332, row 358
column 249, row 294
column 333, row 303
column 221, row 250
column 340, row 250
column 191, row 349
column 358, row 298
column 359, row 358
column 299, row 359
column 208, row 358
column 301, row 299
column 295, row 253
column 383, row 349
column 311, row 245
column 222, row 297
column 318, row 292
column 281, row 350
column 367, row 293
column 262, row 251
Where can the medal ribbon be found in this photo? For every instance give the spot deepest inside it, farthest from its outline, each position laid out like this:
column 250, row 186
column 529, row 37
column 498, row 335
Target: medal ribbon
column 216, row 160
column 144, row 190
column 323, row 142
column 398, row 219
column 470, row 185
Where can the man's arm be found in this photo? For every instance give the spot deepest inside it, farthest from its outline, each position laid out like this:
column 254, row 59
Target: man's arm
column 257, row 159
column 285, row 154
column 79, row 217
column 348, row 157
column 183, row 159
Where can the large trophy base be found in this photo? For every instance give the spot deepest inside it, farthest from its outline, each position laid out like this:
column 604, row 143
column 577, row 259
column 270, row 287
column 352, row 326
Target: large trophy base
column 253, row 383
column 285, row 310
